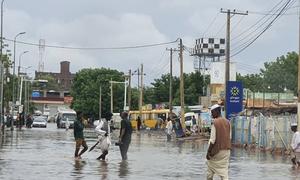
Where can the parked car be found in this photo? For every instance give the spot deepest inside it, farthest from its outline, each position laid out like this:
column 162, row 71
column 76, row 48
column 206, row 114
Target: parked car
column 39, row 121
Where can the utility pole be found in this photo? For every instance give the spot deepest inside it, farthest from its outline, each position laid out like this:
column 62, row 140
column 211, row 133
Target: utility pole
column 2, row 70
column 125, row 93
column 100, row 102
column 129, row 89
column 171, row 79
column 298, row 104
column 141, row 91
column 111, row 97
column 138, row 79
column 227, row 50
column 181, row 85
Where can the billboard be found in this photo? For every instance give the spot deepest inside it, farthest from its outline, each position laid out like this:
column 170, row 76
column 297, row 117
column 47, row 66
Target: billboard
column 217, row 73
column 234, row 98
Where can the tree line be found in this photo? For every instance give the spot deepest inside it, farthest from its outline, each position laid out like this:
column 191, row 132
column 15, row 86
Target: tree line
column 86, row 90
column 277, row 76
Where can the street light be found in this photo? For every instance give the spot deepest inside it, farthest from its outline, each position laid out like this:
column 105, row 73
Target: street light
column 13, row 80
column 24, row 52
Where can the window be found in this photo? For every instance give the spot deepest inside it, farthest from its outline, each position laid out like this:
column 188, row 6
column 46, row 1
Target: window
column 216, row 46
column 211, row 40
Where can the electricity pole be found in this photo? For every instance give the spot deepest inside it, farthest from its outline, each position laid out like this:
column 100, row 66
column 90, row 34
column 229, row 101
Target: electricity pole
column 141, row 91
column 171, row 79
column 181, row 85
column 298, row 104
column 2, row 70
column 227, row 50
column 111, row 97
column 129, row 89
column 100, row 102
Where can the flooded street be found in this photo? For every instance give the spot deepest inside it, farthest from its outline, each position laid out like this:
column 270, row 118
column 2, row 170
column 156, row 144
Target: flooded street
column 48, row 154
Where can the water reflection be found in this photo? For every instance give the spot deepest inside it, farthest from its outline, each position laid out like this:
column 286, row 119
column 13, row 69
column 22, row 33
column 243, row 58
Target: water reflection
column 123, row 169
column 49, row 152
column 78, row 168
column 103, row 169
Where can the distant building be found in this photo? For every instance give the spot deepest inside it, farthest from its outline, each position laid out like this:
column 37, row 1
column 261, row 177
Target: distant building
column 64, row 78
column 49, row 100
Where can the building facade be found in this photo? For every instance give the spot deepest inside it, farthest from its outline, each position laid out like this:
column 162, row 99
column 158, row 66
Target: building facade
column 48, row 101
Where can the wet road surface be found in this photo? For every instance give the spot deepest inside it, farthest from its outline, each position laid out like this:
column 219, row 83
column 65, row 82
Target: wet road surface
column 41, row 153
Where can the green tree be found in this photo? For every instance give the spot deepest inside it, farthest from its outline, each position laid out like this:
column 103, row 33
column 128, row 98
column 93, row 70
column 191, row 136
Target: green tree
column 282, row 73
column 254, row 82
column 86, row 90
column 193, row 85
column 276, row 76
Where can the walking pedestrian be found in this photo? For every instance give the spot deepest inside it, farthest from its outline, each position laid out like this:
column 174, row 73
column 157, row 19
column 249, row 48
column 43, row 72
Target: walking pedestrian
column 218, row 152
column 194, row 125
column 138, row 123
column 103, row 131
column 67, row 124
column 295, row 144
column 78, row 135
column 169, row 129
column 125, row 135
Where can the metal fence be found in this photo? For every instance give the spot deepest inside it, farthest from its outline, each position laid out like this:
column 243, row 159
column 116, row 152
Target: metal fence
column 270, row 133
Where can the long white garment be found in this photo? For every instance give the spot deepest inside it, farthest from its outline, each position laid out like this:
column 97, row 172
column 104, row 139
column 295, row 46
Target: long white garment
column 98, row 128
column 104, row 143
column 219, row 163
column 296, row 142
column 169, row 127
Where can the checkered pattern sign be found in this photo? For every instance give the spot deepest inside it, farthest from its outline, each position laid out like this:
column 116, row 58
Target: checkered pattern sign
column 210, row 47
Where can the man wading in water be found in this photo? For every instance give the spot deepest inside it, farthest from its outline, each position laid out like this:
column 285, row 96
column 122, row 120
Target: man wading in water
column 218, row 152
column 78, row 135
column 125, row 135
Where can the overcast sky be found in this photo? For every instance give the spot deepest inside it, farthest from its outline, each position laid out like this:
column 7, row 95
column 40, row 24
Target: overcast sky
column 113, row 23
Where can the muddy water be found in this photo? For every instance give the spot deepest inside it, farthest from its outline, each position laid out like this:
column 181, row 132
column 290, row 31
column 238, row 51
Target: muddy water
column 48, row 154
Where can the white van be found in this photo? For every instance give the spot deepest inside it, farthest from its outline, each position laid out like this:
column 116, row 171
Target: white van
column 63, row 115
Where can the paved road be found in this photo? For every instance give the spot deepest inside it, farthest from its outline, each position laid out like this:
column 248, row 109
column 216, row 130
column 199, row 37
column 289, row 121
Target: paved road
column 48, row 154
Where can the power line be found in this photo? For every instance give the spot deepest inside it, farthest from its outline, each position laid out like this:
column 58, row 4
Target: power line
column 210, row 25
column 238, row 23
column 261, row 13
column 256, row 23
column 266, row 28
column 158, row 65
column 94, row 48
column 268, row 13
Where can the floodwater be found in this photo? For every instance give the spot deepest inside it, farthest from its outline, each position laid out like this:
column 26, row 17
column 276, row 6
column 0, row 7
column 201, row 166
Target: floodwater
column 48, row 154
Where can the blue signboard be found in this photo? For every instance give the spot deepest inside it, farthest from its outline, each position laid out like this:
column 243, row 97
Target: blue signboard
column 35, row 94
column 234, row 98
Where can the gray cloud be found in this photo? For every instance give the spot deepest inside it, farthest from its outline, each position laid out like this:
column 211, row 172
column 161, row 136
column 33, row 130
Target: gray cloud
column 97, row 23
